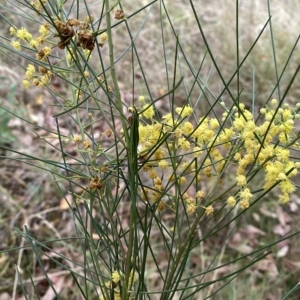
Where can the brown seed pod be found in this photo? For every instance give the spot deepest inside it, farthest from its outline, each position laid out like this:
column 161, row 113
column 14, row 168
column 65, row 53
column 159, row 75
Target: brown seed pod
column 119, row 15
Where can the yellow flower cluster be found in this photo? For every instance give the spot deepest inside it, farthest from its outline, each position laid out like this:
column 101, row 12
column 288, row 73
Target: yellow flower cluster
column 66, row 32
column 208, row 149
column 23, row 35
column 115, row 277
column 267, row 145
column 42, row 54
column 41, row 79
column 38, row 4
column 116, row 280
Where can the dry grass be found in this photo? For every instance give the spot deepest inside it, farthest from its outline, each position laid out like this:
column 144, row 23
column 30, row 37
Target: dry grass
column 29, row 195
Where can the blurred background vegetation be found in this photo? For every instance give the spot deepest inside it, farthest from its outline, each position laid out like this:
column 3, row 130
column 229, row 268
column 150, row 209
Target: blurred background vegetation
column 30, row 196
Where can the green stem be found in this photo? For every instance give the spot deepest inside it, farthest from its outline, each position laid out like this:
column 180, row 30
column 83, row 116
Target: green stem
column 131, row 155
column 179, row 256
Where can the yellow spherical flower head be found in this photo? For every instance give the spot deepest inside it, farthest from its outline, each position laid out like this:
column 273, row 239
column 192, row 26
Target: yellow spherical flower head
column 167, row 117
column 158, row 127
column 182, row 180
column 190, row 200
column 281, row 176
column 287, row 114
column 148, row 111
column 187, row 128
column 16, row 45
column 44, row 29
column 214, row 123
column 272, row 171
column 87, row 53
column 191, row 208
column 239, row 123
column 143, row 133
column 241, row 180
column 34, row 43
column 282, row 154
column 224, row 116
column 178, row 132
column 286, row 187
column 157, row 181
column 77, row 139
column 23, row 34
column 209, row 210
column 142, row 99
column 43, row 53
column 12, row 31
column 152, row 174
column 168, row 120
column 115, row 276
column 231, row 201
column 185, row 196
column 197, row 151
column 163, row 164
column 263, row 111
column 237, row 156
column 284, row 138
column 26, row 84
column 159, row 154
column 200, row 195
column 284, row 198
column 269, row 115
column 226, row 135
column 185, row 111
column 87, row 144
column 103, row 37
column 184, row 144
column 30, row 72
column 245, row 196
column 244, row 204
column 274, row 102
column 40, row 40
column 35, row 82
column 79, row 94
column 45, row 79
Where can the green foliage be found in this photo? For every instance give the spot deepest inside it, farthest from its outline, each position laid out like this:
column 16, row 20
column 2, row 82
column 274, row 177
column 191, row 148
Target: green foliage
column 157, row 191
